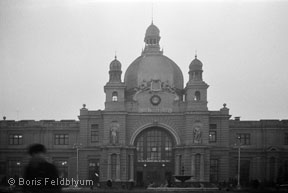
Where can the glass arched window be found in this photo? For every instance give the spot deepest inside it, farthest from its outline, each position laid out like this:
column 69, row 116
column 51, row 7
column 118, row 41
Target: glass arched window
column 197, row 96
column 114, row 96
column 154, row 145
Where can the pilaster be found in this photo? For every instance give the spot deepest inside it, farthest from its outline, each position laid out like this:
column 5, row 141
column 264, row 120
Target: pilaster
column 131, row 157
column 177, row 164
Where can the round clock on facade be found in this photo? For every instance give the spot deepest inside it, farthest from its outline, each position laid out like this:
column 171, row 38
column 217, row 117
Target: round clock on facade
column 155, row 100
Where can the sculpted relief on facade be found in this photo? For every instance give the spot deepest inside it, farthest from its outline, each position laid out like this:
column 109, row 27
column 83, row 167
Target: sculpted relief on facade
column 197, row 132
column 114, row 130
column 155, row 86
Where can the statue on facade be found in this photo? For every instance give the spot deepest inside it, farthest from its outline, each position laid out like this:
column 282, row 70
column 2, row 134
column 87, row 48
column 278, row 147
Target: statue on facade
column 114, row 132
column 197, row 134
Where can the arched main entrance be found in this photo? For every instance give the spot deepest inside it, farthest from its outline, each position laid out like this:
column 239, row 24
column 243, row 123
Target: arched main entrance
column 154, row 156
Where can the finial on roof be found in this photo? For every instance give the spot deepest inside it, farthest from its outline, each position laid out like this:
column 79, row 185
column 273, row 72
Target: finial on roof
column 115, row 55
column 196, row 54
column 152, row 13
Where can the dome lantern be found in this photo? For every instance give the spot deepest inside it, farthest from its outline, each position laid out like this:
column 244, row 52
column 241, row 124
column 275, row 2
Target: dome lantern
column 195, row 70
column 152, row 39
column 115, row 71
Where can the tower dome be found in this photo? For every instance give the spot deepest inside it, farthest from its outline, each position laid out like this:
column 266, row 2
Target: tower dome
column 195, row 70
column 195, row 64
column 115, row 71
column 115, row 65
column 152, row 30
column 152, row 65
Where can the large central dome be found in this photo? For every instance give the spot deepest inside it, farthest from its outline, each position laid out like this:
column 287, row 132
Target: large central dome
column 153, row 65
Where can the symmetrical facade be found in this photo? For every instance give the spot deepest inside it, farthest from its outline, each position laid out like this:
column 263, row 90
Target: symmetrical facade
column 152, row 128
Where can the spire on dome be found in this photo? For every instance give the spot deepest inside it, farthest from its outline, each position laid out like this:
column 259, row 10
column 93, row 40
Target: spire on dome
column 152, row 13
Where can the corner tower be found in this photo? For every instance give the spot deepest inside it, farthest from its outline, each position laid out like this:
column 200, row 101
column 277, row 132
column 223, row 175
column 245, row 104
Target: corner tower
column 115, row 88
column 196, row 88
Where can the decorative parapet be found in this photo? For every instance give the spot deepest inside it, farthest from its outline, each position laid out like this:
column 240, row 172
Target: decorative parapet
column 264, row 123
column 41, row 123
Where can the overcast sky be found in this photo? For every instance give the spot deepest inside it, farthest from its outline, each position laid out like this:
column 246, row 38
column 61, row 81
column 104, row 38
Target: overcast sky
column 55, row 55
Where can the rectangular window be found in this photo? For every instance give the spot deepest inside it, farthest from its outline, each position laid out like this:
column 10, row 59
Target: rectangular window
column 212, row 136
column 197, row 166
column 286, row 139
column 14, row 167
column 95, row 133
column 3, row 167
column 15, row 139
column 213, row 170
column 61, row 139
column 213, row 126
column 244, row 138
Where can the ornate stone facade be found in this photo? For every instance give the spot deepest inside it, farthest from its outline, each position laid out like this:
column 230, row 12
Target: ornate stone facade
column 152, row 128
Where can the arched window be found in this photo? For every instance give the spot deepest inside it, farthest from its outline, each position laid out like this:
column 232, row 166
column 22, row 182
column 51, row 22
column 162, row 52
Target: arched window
column 197, row 96
column 197, row 166
column 113, row 166
column 114, row 96
column 154, row 145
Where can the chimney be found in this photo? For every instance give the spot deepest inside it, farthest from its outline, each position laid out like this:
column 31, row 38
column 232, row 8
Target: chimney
column 237, row 118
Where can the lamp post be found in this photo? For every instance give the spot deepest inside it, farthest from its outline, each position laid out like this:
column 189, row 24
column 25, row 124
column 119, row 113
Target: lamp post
column 239, row 157
column 77, row 146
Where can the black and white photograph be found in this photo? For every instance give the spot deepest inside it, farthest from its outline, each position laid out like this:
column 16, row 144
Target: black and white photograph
column 143, row 96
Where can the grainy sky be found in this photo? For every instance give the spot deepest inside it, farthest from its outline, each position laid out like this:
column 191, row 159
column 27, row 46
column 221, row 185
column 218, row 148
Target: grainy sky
column 55, row 55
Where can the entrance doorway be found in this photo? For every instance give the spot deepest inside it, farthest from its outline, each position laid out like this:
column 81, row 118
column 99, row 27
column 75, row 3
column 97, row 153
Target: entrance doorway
column 156, row 174
column 154, row 157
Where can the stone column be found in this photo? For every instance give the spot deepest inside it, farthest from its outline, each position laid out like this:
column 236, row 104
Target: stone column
column 118, row 167
column 109, row 167
column 193, row 160
column 177, row 164
column 202, row 167
column 131, row 168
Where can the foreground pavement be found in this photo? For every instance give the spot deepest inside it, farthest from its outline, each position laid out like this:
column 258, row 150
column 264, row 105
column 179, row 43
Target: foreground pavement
column 154, row 190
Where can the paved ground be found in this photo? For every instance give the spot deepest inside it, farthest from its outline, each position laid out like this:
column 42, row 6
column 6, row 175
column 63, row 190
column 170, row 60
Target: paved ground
column 88, row 190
